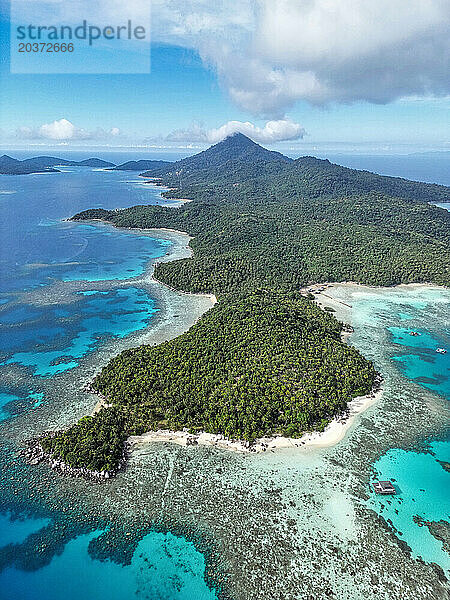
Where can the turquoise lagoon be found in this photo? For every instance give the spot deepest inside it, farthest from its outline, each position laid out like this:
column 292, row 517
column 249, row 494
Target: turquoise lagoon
column 33, row 400
column 422, row 482
column 423, row 491
column 16, row 530
column 424, row 364
column 117, row 313
column 49, row 338
column 5, row 399
column 163, row 567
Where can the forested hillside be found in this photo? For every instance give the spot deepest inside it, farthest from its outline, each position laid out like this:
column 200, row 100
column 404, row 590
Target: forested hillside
column 237, row 162
column 223, row 163
column 312, row 178
column 267, row 242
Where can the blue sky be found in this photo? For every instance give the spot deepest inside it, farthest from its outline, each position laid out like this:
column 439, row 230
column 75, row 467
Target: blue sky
column 196, row 93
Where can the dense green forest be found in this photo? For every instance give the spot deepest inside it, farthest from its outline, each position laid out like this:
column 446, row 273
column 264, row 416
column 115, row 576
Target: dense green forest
column 256, row 364
column 264, row 361
column 370, row 238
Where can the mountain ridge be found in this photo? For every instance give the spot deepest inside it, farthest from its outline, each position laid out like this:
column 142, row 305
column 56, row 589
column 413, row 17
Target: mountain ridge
column 237, row 160
column 236, row 152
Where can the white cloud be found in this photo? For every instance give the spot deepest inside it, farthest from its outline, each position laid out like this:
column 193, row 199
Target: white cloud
column 63, row 130
column 351, row 50
column 58, row 130
column 269, row 54
column 273, row 131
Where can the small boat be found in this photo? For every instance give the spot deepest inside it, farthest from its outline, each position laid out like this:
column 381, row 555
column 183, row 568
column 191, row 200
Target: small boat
column 384, row 487
column 441, row 350
column 414, row 333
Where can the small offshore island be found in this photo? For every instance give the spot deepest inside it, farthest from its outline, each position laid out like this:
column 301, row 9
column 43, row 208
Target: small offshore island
column 47, row 164
column 266, row 360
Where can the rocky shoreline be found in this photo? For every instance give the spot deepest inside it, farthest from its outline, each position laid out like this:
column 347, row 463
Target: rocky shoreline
column 34, row 454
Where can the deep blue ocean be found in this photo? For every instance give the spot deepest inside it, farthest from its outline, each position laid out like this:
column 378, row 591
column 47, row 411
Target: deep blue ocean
column 428, row 167
column 46, row 337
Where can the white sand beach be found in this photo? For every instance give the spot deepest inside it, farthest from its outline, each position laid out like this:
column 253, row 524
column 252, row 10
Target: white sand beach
column 332, row 434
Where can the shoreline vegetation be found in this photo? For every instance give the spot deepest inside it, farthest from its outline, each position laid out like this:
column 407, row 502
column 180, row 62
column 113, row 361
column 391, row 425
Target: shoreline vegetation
column 335, row 431
column 332, row 434
column 266, row 365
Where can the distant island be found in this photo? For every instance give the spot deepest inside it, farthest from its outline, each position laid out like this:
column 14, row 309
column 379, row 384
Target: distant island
column 45, row 164
column 265, row 360
column 433, row 154
column 140, row 165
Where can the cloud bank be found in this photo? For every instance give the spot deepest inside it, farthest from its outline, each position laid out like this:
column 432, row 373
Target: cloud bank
column 270, row 54
column 273, row 131
column 63, row 130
